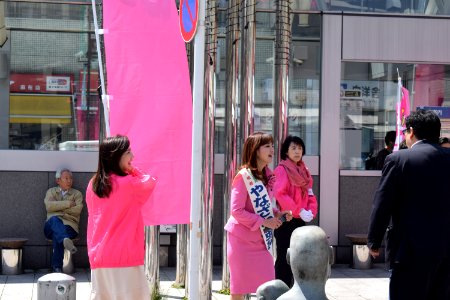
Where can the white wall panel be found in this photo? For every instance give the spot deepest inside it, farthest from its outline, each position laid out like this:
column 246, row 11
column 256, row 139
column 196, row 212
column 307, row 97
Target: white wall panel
column 404, row 39
column 329, row 123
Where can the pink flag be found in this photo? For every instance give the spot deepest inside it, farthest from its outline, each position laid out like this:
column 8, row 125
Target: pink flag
column 402, row 110
column 150, row 99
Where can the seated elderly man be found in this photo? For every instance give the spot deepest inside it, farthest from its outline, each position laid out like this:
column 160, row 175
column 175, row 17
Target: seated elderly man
column 63, row 205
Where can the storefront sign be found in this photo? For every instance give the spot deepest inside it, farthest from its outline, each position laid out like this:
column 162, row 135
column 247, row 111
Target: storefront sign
column 39, row 83
column 58, row 83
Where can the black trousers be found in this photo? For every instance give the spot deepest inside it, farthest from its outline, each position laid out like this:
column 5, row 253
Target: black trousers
column 283, row 237
column 421, row 281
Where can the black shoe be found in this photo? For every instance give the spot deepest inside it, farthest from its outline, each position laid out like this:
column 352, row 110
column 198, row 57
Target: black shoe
column 57, row 270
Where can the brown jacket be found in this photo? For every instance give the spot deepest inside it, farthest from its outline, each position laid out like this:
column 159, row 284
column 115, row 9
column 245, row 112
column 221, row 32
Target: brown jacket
column 57, row 205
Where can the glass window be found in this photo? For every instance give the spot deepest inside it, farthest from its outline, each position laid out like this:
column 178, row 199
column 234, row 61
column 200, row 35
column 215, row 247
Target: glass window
column 53, row 78
column 304, row 81
column 368, row 105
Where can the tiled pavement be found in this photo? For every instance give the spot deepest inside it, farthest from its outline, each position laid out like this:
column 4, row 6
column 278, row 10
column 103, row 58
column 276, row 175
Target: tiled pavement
column 344, row 284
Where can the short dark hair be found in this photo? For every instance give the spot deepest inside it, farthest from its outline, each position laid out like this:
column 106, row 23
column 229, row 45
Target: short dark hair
column 443, row 140
column 426, row 125
column 287, row 142
column 390, row 137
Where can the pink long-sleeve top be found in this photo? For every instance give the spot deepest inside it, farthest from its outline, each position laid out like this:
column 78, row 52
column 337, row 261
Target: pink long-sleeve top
column 115, row 233
column 290, row 197
column 243, row 221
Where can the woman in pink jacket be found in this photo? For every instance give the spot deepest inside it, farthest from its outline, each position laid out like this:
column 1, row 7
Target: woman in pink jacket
column 250, row 261
column 293, row 191
column 115, row 234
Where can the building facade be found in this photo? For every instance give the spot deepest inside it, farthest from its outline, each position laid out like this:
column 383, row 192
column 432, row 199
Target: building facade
column 343, row 63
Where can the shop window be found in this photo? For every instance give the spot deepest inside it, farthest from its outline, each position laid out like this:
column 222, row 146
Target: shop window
column 51, row 100
column 369, row 94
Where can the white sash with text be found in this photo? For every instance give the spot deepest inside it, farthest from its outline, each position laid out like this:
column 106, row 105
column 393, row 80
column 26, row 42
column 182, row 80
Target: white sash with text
column 261, row 204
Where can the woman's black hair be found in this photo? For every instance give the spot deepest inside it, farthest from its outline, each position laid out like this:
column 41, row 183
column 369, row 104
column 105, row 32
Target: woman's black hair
column 287, row 142
column 110, row 153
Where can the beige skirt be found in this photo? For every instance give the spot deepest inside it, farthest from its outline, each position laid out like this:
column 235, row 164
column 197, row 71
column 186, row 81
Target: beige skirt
column 119, row 284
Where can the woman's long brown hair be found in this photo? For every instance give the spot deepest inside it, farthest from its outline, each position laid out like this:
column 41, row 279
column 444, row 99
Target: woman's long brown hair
column 110, row 152
column 249, row 153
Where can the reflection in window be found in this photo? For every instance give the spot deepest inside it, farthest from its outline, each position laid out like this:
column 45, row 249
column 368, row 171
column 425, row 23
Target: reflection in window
column 304, row 90
column 368, row 100
column 53, row 78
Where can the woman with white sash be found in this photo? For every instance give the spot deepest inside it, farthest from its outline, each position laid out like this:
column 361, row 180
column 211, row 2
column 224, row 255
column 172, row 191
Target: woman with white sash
column 293, row 191
column 253, row 218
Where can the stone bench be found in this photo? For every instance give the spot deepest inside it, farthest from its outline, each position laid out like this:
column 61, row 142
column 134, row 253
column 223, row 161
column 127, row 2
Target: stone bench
column 12, row 255
column 361, row 256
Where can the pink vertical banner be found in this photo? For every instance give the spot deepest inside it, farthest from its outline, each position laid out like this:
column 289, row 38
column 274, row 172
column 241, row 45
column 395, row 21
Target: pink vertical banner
column 402, row 111
column 150, row 99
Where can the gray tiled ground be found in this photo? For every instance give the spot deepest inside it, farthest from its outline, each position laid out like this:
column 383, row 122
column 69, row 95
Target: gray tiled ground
column 344, row 284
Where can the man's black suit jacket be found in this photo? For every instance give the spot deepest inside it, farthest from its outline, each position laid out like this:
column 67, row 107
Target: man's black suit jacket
column 414, row 191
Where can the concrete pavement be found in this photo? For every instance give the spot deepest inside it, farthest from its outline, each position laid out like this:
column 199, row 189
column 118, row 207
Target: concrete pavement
column 344, row 284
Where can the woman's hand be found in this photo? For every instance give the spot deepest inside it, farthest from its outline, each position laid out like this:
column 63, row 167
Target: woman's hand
column 286, row 213
column 273, row 223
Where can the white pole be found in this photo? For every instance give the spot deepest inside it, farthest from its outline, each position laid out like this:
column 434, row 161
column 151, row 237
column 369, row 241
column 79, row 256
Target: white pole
column 105, row 98
column 195, row 231
column 398, row 125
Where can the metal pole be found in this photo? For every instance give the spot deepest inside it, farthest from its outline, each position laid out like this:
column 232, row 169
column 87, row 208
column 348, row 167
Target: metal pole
column 152, row 258
column 105, row 98
column 231, row 120
column 182, row 229
column 208, row 151
column 195, row 230
column 282, row 55
column 248, row 68
column 180, row 279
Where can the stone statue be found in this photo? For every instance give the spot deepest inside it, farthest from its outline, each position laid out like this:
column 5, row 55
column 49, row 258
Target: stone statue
column 271, row 290
column 310, row 257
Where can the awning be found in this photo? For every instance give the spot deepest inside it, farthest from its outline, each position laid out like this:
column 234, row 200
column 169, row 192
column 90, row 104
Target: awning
column 40, row 109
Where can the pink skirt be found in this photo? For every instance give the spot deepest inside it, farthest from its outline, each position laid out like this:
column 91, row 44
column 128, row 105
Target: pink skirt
column 250, row 264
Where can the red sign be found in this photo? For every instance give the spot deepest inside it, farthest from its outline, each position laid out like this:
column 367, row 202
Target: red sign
column 40, row 83
column 188, row 19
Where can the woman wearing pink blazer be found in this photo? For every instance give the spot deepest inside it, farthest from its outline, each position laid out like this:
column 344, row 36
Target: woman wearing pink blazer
column 250, row 262
column 293, row 192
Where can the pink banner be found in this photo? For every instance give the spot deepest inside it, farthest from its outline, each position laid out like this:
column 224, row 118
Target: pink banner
column 150, row 99
column 402, row 111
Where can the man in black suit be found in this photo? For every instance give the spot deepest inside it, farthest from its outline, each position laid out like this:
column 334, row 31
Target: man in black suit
column 413, row 191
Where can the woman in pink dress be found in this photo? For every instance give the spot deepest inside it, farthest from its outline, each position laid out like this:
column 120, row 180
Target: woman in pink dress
column 115, row 234
column 293, row 191
column 251, row 264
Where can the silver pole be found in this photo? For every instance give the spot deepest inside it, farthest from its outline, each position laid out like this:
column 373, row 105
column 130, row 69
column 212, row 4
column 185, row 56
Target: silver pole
column 180, row 279
column 248, row 68
column 282, row 55
column 208, row 151
column 105, row 99
column 195, row 229
column 231, row 120
column 152, row 258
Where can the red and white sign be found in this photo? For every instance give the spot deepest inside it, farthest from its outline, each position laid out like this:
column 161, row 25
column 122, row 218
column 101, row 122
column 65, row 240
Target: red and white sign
column 58, row 83
column 38, row 83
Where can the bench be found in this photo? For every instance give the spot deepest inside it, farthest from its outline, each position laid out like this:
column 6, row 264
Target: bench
column 361, row 256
